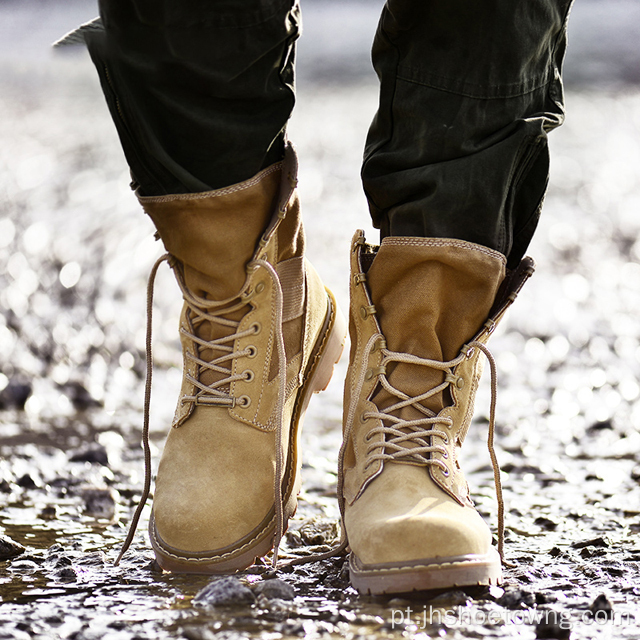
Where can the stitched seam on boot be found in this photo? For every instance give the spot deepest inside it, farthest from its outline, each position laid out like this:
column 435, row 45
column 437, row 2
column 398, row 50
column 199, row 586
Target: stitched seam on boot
column 241, row 186
column 212, row 557
column 432, row 242
column 333, row 310
column 434, row 565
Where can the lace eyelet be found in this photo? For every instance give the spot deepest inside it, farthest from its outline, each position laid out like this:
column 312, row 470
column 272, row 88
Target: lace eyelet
column 243, row 402
column 445, row 473
column 257, row 327
column 253, row 351
column 259, row 287
column 249, row 375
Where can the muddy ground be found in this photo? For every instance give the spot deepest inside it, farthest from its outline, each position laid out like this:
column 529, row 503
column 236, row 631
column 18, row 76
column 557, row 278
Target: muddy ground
column 75, row 253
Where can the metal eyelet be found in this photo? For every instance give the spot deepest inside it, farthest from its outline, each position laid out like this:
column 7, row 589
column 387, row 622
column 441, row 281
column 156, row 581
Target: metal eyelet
column 365, row 312
column 460, row 382
column 253, row 351
column 257, row 327
column 445, row 473
column 259, row 287
column 243, row 402
column 363, row 419
column 249, row 375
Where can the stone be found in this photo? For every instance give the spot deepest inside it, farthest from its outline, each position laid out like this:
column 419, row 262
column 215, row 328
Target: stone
column 275, row 588
column 224, row 592
column 601, row 608
column 10, row 548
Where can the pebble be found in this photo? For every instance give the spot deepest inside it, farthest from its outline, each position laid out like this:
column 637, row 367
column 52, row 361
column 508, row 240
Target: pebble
column 94, row 453
column 100, row 502
column 15, row 395
column 602, row 608
column 451, row 599
column 553, row 630
column 9, row 548
column 66, row 574
column 594, row 542
column 224, row 591
column 517, row 599
column 23, row 566
column 26, row 482
column 275, row 588
column 317, row 531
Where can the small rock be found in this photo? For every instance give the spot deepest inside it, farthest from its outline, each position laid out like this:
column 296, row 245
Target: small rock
column 553, row 630
column 316, row 531
column 199, row 633
column 450, row 599
column 94, row 559
column 26, row 482
column 94, row 453
column 100, row 502
column 79, row 396
column 66, row 574
column 55, row 549
column 601, row 425
column 275, row 588
column 594, row 542
column 545, row 598
column 15, row 395
column 546, row 523
column 601, row 608
column 50, row 512
column 517, row 599
column 23, row 566
column 63, row 561
column 9, row 548
column 224, row 591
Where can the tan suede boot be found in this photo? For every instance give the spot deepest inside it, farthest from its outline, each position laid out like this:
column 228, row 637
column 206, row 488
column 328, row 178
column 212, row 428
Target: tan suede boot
column 421, row 311
column 229, row 474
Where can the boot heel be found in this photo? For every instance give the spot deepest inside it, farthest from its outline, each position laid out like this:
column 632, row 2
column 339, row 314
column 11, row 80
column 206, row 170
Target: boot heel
column 337, row 334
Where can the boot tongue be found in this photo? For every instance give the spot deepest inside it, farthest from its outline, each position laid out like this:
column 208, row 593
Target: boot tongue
column 431, row 297
column 214, row 235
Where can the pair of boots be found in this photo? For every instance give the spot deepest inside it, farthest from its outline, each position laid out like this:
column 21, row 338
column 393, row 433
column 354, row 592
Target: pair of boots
column 260, row 333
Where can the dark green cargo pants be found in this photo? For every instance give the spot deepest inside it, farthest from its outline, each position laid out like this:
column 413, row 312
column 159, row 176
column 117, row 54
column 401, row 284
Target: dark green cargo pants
column 201, row 93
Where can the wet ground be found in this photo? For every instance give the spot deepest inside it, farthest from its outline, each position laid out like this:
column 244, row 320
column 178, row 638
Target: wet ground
column 74, row 257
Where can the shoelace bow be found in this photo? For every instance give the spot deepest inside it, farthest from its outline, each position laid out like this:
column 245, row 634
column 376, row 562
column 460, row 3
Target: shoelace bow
column 217, row 393
column 401, row 433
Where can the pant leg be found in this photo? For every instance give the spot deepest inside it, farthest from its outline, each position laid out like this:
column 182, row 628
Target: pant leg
column 468, row 93
column 200, row 92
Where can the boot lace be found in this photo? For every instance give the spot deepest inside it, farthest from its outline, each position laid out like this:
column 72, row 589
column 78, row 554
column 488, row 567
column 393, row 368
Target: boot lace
column 412, row 440
column 217, row 393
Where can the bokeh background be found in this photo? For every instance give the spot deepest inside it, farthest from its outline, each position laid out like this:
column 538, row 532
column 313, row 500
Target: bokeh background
column 75, row 253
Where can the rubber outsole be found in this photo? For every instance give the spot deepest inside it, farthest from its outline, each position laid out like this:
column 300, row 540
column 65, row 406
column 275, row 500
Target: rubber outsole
column 427, row 574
